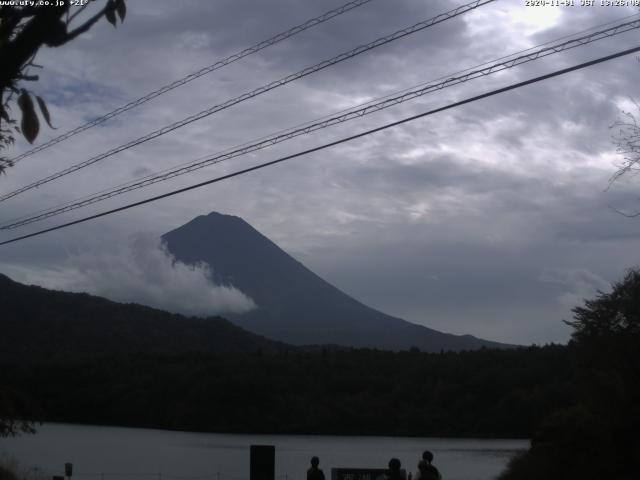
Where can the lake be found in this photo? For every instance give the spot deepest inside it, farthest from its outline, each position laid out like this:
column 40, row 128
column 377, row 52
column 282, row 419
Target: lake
column 115, row 453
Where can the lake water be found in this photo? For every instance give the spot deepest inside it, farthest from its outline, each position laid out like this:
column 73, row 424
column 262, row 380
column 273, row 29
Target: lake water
column 114, row 453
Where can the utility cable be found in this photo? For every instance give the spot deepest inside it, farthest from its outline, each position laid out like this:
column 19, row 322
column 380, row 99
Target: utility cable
column 192, row 76
column 321, row 124
column 331, row 144
column 254, row 93
column 204, row 157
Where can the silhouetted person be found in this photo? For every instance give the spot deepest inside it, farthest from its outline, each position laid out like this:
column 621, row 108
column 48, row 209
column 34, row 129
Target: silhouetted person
column 394, row 472
column 314, row 473
column 426, row 471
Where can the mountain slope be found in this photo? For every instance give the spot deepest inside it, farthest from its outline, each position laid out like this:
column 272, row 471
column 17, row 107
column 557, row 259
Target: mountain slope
column 40, row 324
column 294, row 304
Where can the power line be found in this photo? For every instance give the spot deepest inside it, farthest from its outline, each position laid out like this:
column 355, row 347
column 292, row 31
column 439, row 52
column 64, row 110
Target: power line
column 323, row 123
column 332, row 144
column 273, row 85
column 192, row 76
column 459, row 72
column 206, row 160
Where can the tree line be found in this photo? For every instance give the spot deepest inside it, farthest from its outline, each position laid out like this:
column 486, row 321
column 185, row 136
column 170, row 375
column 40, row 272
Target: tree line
column 485, row 393
column 579, row 403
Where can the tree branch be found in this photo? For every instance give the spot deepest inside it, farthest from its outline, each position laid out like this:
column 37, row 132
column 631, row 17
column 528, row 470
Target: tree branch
column 87, row 25
column 36, row 32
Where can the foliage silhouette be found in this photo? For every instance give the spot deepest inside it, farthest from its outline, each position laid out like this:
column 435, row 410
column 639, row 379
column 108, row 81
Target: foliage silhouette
column 597, row 436
column 485, row 393
column 24, row 29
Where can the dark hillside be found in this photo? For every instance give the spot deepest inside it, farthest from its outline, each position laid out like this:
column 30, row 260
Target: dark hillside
column 39, row 324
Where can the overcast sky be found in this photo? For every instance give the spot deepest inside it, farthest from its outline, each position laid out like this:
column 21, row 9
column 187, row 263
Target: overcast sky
column 492, row 219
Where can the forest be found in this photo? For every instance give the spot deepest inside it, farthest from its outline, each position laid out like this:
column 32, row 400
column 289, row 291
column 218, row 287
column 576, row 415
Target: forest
column 485, row 393
column 578, row 403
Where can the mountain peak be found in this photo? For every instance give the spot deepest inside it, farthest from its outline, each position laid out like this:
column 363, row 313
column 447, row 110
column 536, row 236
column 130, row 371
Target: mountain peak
column 223, row 216
column 294, row 304
column 216, row 218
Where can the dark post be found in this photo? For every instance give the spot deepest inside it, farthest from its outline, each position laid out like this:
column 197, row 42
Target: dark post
column 68, row 470
column 263, row 462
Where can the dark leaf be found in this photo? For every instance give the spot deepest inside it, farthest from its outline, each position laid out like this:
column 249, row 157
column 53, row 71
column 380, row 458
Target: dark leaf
column 45, row 111
column 110, row 14
column 121, row 8
column 30, row 124
column 57, row 34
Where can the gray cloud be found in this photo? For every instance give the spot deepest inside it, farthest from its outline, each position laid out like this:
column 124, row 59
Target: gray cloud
column 143, row 273
column 580, row 284
column 451, row 221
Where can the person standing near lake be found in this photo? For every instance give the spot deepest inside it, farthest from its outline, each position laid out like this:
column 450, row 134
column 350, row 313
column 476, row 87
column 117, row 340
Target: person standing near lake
column 314, row 473
column 394, row 472
column 426, row 471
